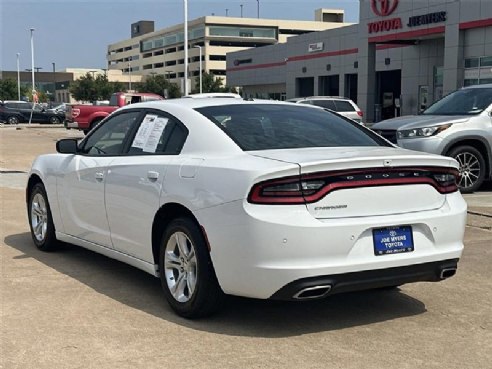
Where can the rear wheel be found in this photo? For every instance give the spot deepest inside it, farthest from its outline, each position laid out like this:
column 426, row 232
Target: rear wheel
column 55, row 120
column 187, row 275
column 40, row 220
column 12, row 120
column 472, row 167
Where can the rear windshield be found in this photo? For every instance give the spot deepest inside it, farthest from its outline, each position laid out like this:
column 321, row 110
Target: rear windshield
column 286, row 126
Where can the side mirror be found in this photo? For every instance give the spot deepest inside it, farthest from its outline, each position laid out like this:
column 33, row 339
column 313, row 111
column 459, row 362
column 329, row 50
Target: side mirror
column 67, row 146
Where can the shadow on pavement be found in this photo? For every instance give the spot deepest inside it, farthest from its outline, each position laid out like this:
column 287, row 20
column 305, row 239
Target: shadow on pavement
column 239, row 316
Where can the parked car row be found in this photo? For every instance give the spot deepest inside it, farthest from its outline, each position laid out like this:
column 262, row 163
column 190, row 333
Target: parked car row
column 15, row 112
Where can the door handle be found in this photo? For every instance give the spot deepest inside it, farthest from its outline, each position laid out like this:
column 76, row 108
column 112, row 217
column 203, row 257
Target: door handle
column 99, row 176
column 153, row 176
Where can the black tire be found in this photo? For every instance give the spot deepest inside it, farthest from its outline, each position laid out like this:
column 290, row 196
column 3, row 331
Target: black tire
column 47, row 240
column 55, row 120
column 472, row 167
column 12, row 120
column 206, row 297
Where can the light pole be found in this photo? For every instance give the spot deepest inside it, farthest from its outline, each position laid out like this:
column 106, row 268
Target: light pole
column 18, row 77
column 32, row 74
column 258, row 8
column 185, row 3
column 32, row 59
column 241, row 10
column 227, row 12
column 54, row 81
column 201, row 81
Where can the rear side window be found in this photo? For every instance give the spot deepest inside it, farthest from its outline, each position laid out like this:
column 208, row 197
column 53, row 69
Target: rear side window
column 158, row 134
column 327, row 104
column 343, row 106
column 285, row 126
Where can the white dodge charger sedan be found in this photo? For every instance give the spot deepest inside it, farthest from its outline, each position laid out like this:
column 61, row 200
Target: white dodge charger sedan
column 260, row 199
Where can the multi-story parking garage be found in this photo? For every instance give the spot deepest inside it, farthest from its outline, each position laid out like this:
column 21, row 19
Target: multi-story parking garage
column 401, row 57
column 162, row 51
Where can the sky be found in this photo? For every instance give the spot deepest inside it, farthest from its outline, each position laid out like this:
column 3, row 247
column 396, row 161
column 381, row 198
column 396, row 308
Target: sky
column 76, row 33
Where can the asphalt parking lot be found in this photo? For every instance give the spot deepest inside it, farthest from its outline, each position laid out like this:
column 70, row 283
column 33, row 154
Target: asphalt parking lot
column 77, row 309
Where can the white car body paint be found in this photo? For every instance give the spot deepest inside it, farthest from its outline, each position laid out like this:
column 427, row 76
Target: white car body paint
column 255, row 249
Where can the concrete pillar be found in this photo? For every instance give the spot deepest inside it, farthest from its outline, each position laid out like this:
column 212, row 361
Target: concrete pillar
column 453, row 59
column 316, row 86
column 366, row 84
column 341, row 84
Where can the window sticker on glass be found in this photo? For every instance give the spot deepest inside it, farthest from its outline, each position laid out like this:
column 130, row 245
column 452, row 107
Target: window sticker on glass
column 144, row 131
column 155, row 134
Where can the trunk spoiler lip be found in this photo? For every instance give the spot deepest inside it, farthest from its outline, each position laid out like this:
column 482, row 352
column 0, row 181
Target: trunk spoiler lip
column 373, row 177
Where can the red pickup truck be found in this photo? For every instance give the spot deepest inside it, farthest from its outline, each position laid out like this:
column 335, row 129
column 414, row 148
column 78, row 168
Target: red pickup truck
column 85, row 117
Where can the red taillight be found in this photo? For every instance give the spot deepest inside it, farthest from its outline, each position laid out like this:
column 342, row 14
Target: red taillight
column 360, row 114
column 313, row 187
column 286, row 190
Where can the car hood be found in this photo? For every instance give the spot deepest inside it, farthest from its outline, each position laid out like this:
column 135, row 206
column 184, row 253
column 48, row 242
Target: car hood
column 419, row 121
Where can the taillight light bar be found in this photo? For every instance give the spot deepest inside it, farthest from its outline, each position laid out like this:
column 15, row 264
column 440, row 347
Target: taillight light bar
column 310, row 188
column 360, row 113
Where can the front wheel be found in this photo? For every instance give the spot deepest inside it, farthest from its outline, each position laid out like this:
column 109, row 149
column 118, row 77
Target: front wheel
column 40, row 220
column 472, row 167
column 187, row 275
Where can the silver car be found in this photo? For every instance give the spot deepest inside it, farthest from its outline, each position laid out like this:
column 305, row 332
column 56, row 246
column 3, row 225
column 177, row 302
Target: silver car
column 342, row 105
column 459, row 125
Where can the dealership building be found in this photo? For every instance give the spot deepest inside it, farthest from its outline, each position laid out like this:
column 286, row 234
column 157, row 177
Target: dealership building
column 149, row 51
column 401, row 57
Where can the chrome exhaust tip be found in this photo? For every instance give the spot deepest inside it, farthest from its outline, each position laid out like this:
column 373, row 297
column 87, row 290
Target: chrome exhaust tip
column 315, row 292
column 447, row 273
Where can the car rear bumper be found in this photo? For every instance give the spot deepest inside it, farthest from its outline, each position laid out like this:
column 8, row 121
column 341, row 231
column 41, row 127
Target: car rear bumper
column 318, row 287
column 72, row 125
column 258, row 250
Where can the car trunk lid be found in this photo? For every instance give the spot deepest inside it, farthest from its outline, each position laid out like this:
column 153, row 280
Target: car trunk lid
column 366, row 181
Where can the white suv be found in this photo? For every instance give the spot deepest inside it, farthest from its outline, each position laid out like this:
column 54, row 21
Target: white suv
column 341, row 105
column 459, row 125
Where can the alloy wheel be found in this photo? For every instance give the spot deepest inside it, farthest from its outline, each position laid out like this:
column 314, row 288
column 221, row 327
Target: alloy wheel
column 180, row 267
column 39, row 217
column 469, row 169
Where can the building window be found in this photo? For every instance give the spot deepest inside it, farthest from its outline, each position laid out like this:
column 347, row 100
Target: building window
column 217, row 57
column 158, row 65
column 218, row 72
column 225, row 31
column 478, row 71
column 160, row 52
column 486, row 61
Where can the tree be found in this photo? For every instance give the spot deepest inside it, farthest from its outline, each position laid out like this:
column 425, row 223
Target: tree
column 211, row 83
column 8, row 89
column 158, row 84
column 84, row 89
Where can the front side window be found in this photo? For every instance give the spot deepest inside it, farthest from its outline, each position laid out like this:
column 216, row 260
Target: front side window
column 110, row 136
column 286, row 126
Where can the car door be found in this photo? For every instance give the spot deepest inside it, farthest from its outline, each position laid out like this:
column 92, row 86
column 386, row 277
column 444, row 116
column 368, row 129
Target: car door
column 134, row 183
column 81, row 186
